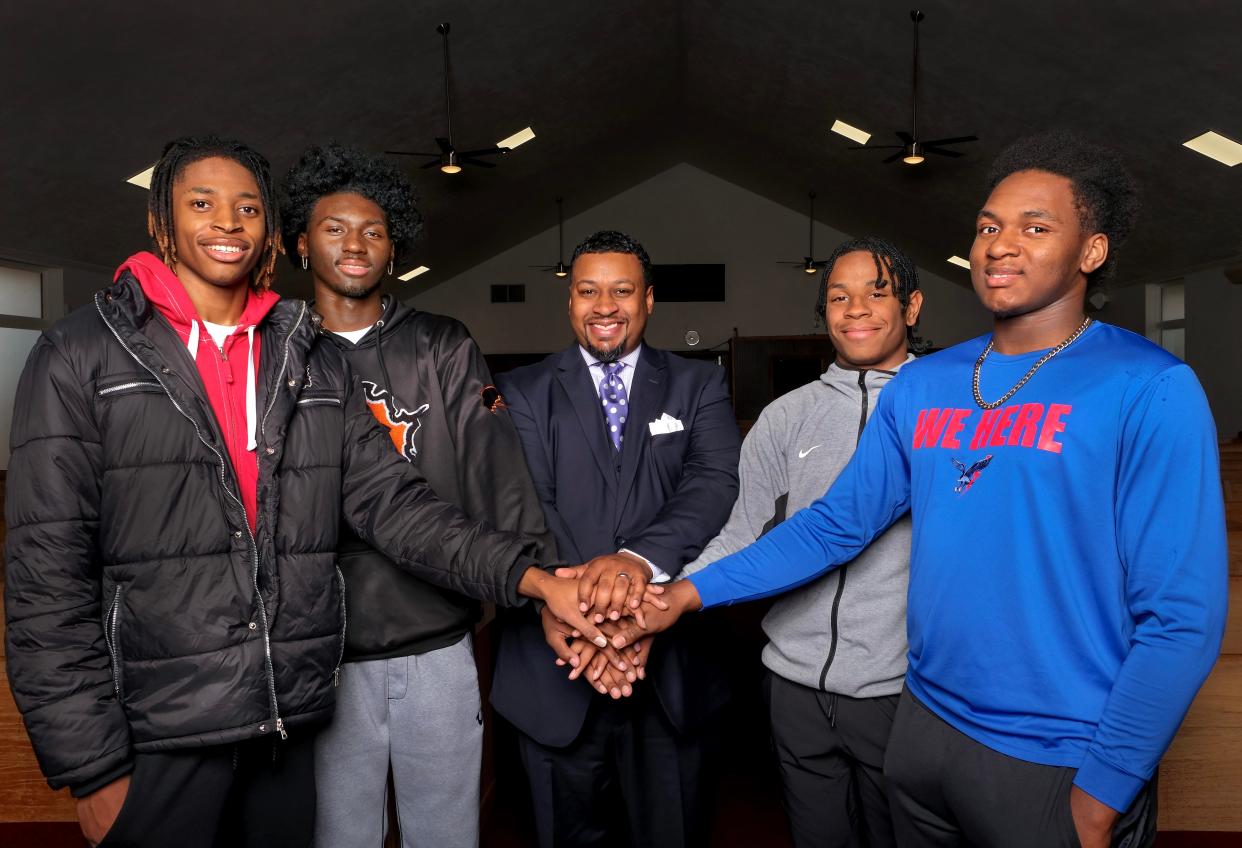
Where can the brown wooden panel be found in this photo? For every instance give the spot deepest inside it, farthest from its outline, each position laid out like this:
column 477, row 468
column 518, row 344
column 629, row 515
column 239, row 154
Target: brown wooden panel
column 1233, row 628
column 1201, row 775
column 24, row 796
column 1235, row 552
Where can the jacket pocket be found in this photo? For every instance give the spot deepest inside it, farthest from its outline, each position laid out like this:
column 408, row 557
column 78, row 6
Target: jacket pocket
column 127, row 386
column 340, row 654
column 111, row 639
column 316, row 398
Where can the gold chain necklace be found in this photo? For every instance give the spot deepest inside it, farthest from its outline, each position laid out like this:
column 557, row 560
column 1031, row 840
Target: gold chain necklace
column 1086, row 322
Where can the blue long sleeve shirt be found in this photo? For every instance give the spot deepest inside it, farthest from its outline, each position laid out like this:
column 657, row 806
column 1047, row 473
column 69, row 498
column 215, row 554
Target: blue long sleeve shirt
column 1068, row 582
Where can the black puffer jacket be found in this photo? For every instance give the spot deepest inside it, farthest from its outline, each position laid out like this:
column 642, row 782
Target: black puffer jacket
column 142, row 612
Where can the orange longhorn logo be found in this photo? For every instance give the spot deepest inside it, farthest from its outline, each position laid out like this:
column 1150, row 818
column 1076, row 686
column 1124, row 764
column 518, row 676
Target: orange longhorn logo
column 403, row 424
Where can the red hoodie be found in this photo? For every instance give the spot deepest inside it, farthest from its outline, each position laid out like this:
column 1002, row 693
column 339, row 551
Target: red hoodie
column 229, row 385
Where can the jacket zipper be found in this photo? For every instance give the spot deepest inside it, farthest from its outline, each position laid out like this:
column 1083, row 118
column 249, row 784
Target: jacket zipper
column 340, row 657
column 254, row 547
column 836, row 599
column 110, row 625
column 125, row 386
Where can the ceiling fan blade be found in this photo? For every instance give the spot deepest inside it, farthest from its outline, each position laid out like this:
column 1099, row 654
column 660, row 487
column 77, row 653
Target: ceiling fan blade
column 485, row 151
column 794, row 264
column 410, row 153
column 905, row 137
column 432, row 164
column 895, row 156
column 879, row 147
column 479, row 163
column 445, row 145
column 953, row 154
column 956, row 140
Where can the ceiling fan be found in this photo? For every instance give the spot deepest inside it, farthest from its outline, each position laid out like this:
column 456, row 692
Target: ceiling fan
column 911, row 149
column 809, row 264
column 449, row 158
column 560, row 268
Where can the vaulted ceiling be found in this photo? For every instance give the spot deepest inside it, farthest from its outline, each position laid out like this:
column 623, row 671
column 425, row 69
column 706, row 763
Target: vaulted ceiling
column 617, row 92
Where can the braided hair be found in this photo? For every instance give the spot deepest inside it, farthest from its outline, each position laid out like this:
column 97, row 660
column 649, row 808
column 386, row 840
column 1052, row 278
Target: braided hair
column 182, row 152
column 889, row 262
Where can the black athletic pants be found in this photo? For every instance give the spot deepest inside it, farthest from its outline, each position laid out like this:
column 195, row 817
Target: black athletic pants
column 830, row 749
column 259, row 793
column 946, row 789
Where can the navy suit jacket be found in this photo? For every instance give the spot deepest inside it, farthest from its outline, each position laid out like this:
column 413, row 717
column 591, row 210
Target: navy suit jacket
column 663, row 496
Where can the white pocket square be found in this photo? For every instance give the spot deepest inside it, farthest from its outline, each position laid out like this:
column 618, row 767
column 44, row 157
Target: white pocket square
column 665, row 424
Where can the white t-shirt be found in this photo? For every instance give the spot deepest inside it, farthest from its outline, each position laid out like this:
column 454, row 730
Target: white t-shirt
column 219, row 332
column 354, row 336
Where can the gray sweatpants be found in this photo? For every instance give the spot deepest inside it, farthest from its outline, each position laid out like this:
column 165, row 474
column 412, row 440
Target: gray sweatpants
column 421, row 714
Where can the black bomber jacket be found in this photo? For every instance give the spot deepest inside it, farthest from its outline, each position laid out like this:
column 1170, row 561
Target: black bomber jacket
column 142, row 612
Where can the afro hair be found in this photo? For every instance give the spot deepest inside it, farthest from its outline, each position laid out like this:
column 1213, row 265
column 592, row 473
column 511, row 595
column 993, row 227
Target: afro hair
column 1105, row 193
column 334, row 168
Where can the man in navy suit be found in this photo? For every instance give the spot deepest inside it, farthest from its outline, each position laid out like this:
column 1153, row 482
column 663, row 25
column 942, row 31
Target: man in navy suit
column 634, row 455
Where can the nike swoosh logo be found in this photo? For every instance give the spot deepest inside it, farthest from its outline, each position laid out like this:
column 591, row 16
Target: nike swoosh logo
column 802, row 453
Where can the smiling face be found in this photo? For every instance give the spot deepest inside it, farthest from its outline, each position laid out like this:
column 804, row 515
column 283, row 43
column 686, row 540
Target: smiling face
column 217, row 222
column 348, row 244
column 866, row 323
column 1030, row 253
column 609, row 304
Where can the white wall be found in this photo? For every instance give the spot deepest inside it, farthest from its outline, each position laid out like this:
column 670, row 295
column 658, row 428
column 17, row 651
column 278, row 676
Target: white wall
column 683, row 215
column 1213, row 322
column 15, row 346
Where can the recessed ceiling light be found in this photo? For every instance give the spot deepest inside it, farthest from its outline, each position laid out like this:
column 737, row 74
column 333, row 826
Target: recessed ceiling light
column 1216, row 146
column 519, row 137
column 409, row 275
column 852, row 133
column 142, row 179
column 959, row 262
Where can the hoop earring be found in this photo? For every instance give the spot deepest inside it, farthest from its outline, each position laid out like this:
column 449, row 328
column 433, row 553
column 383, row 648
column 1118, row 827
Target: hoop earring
column 305, row 264
column 390, row 267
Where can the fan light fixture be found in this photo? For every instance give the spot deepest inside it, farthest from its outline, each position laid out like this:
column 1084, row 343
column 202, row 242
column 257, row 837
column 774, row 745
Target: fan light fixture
column 914, row 153
column 809, row 263
column 560, row 268
column 449, row 159
column 142, row 179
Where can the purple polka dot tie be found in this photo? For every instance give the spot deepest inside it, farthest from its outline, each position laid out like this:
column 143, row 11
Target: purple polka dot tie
column 612, row 396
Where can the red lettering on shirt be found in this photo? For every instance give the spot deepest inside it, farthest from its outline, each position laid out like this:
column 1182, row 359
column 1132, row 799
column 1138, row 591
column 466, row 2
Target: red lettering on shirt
column 1053, row 425
column 1002, row 425
column 1025, row 427
column 929, row 427
column 956, row 424
column 986, row 422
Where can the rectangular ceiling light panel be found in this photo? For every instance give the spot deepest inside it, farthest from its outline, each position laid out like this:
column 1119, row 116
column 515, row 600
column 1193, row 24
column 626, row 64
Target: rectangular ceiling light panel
column 519, row 137
column 142, row 179
column 852, row 133
column 409, row 275
column 959, row 262
column 1218, row 147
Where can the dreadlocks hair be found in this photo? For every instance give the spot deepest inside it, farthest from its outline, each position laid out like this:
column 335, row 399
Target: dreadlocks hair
column 177, row 156
column 1105, row 193
column 611, row 241
column 333, row 168
column 889, row 262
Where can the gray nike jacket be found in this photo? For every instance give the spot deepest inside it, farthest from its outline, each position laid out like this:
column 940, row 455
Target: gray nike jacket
column 845, row 632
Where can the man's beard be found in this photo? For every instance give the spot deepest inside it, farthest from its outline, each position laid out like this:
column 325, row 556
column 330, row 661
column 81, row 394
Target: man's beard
column 355, row 291
column 606, row 356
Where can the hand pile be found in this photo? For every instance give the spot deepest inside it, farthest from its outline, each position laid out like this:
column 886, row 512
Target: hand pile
column 603, row 636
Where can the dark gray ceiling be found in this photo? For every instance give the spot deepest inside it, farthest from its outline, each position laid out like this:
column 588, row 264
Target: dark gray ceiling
column 617, row 92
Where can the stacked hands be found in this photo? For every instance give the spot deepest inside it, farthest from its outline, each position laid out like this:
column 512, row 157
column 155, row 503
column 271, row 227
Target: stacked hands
column 600, row 618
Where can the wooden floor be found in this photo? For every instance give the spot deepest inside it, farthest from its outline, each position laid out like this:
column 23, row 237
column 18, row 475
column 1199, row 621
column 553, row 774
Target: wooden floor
column 1200, row 776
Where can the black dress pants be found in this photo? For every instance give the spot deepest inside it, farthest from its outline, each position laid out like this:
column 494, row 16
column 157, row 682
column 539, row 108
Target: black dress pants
column 946, row 789
column 830, row 749
column 259, row 793
column 628, row 779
